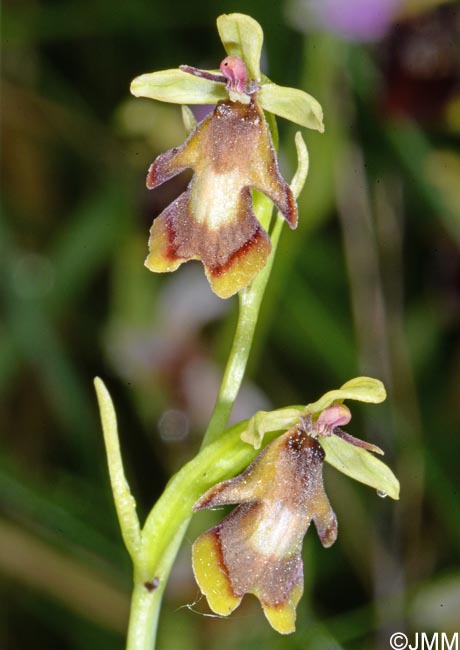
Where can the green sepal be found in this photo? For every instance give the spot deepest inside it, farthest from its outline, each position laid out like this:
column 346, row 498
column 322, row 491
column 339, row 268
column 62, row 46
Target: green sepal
column 177, row 87
column 360, row 464
column 362, row 389
column 242, row 36
column 292, row 104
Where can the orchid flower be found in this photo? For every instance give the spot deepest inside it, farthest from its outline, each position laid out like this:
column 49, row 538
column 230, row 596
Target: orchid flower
column 256, row 549
column 231, row 153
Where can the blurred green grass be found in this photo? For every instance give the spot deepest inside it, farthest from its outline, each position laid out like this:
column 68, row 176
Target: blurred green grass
column 368, row 284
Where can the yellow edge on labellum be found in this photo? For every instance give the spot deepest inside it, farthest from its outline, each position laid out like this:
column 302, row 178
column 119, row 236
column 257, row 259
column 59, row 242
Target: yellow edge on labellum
column 256, row 548
column 210, row 575
column 282, row 618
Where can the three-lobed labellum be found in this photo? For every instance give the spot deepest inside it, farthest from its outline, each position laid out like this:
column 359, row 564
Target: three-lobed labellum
column 256, row 548
column 231, row 152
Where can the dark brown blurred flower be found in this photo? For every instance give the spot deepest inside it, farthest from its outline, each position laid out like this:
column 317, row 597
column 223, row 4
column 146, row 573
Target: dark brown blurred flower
column 422, row 66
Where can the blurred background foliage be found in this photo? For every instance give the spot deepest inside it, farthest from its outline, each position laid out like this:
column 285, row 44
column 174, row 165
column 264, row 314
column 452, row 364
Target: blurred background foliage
column 368, row 284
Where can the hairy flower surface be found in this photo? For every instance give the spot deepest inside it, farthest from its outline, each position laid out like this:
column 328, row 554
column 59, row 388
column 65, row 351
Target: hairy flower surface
column 256, row 548
column 231, row 153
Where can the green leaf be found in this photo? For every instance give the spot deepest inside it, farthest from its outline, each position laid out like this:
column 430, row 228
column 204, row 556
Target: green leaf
column 125, row 503
column 362, row 389
column 292, row 104
column 177, row 87
column 360, row 465
column 264, row 421
column 242, row 36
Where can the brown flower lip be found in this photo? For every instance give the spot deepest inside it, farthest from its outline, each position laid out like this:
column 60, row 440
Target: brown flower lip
column 256, row 548
column 231, row 153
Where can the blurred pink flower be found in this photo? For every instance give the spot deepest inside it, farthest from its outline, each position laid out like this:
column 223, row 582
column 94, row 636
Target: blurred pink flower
column 355, row 20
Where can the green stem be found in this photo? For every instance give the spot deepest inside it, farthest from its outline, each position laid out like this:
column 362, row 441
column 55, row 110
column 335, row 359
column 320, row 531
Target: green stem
column 148, row 593
column 143, row 619
column 249, row 304
column 234, row 370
